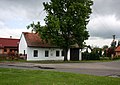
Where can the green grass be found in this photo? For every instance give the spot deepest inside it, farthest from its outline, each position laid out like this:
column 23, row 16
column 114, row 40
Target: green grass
column 54, row 61
column 106, row 59
column 37, row 77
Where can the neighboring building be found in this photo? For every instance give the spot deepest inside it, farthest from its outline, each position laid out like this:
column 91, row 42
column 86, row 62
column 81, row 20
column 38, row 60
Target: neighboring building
column 34, row 48
column 8, row 45
column 117, row 51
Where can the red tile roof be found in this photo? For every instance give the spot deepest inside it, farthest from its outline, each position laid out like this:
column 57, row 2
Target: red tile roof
column 117, row 49
column 34, row 40
column 8, row 42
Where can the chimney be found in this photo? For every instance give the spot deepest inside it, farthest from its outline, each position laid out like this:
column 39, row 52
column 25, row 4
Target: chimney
column 10, row 37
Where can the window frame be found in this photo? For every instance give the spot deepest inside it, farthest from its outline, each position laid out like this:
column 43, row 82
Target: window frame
column 24, row 53
column 46, row 53
column 5, row 50
column 57, row 53
column 35, row 53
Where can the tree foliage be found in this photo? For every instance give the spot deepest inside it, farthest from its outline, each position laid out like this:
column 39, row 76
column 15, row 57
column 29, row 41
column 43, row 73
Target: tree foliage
column 66, row 22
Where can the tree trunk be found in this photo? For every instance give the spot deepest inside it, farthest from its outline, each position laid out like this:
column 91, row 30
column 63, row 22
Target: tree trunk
column 65, row 54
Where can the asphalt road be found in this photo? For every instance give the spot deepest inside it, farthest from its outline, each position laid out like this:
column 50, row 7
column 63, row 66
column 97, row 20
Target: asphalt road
column 98, row 68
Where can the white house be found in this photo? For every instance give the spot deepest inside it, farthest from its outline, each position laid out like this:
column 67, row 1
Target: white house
column 35, row 49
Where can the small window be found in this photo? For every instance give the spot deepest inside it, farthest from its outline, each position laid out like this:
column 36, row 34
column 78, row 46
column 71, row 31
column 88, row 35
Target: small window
column 11, row 50
column 62, row 53
column 46, row 53
column 24, row 52
column 5, row 50
column 35, row 53
column 57, row 53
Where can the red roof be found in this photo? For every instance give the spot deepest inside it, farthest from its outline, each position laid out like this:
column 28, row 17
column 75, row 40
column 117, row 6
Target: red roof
column 8, row 42
column 117, row 49
column 34, row 40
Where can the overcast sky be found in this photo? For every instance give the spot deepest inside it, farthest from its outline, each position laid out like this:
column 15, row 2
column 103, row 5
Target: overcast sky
column 15, row 15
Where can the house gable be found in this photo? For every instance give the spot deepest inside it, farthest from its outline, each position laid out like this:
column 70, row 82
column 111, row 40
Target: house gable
column 22, row 45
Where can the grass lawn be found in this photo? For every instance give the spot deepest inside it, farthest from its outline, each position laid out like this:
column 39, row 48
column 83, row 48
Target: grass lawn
column 55, row 61
column 37, row 77
column 105, row 59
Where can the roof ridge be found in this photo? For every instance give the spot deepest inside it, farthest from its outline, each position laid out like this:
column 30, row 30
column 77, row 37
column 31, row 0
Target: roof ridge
column 10, row 38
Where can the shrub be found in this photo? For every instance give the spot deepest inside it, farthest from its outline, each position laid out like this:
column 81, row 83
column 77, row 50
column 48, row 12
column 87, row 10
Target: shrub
column 90, row 56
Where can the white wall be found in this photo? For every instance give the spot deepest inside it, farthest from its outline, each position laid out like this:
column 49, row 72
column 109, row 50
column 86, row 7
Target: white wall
column 22, row 45
column 80, row 54
column 41, row 54
column 68, row 55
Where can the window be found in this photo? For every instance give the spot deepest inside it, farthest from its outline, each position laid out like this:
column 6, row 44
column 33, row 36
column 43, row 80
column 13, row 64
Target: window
column 5, row 50
column 57, row 53
column 11, row 50
column 46, row 53
column 24, row 52
column 35, row 53
column 62, row 53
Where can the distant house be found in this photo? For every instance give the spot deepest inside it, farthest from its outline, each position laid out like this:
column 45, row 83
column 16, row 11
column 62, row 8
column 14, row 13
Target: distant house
column 34, row 48
column 117, row 51
column 8, row 45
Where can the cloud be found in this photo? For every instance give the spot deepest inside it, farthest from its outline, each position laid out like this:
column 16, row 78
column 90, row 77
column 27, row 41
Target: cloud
column 105, row 19
column 104, row 26
column 15, row 15
column 22, row 9
column 14, row 32
column 98, row 42
column 106, row 7
column 1, row 24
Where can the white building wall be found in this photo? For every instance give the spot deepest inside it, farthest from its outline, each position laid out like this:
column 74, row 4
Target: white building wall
column 22, row 45
column 80, row 54
column 41, row 54
column 68, row 55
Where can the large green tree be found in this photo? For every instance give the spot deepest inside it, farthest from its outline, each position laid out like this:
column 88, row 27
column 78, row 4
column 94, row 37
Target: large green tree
column 66, row 22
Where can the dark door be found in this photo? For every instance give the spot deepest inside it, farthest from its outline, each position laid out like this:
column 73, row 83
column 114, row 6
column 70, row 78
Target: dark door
column 74, row 54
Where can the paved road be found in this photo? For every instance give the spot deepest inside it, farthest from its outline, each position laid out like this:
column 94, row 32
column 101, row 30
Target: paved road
column 98, row 68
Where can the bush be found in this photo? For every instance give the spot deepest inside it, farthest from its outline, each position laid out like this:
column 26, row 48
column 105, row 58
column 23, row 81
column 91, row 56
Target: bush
column 90, row 56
